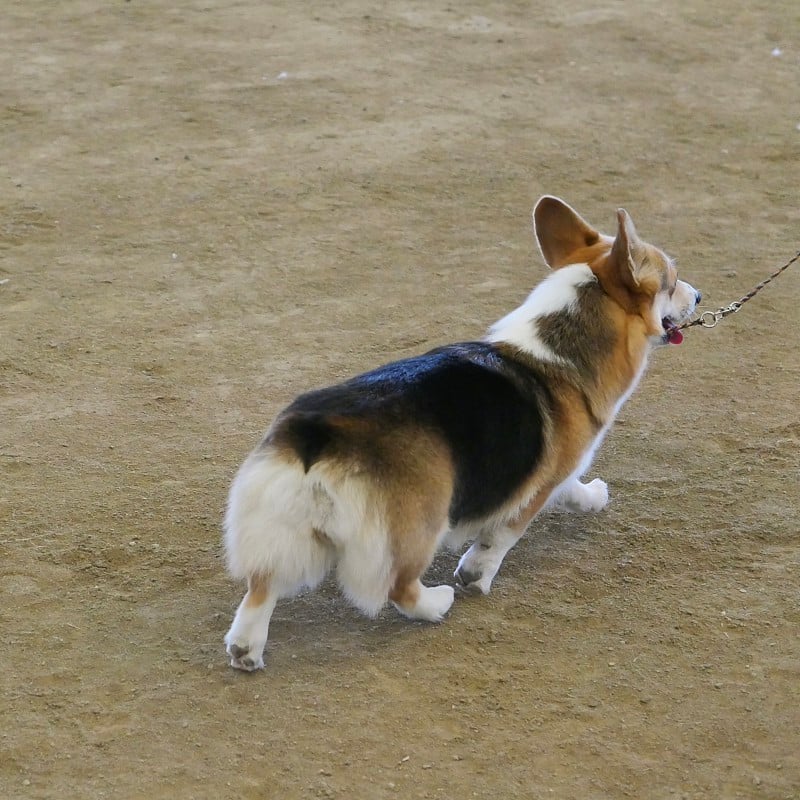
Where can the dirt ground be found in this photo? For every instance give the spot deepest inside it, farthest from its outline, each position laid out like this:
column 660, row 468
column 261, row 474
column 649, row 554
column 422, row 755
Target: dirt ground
column 206, row 208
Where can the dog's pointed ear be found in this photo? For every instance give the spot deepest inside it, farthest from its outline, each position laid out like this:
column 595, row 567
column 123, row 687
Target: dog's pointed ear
column 560, row 231
column 628, row 253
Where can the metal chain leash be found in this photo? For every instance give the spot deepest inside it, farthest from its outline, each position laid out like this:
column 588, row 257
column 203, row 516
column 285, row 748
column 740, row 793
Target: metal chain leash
column 709, row 319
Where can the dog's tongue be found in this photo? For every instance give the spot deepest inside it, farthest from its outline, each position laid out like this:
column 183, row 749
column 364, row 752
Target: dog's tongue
column 674, row 336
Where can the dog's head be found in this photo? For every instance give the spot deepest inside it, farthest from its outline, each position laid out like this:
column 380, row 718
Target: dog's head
column 639, row 277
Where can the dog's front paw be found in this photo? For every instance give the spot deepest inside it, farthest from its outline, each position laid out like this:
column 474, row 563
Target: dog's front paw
column 596, row 497
column 477, row 569
column 577, row 496
column 473, row 581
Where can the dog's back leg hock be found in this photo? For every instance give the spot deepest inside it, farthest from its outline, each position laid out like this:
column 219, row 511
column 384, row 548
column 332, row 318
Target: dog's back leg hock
column 247, row 637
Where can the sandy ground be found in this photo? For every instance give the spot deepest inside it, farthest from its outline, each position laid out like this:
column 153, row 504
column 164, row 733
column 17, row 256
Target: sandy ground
column 207, row 207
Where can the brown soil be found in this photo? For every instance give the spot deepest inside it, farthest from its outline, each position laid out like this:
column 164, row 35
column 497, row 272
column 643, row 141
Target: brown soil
column 208, row 207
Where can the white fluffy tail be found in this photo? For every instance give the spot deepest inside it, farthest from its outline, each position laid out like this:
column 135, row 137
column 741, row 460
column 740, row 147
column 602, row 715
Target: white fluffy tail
column 295, row 526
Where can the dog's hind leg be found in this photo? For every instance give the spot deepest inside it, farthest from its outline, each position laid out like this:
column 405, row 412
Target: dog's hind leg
column 247, row 637
column 413, row 553
column 371, row 567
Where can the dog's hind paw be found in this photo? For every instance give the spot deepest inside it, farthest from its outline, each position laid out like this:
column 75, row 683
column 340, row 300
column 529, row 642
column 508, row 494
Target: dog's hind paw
column 432, row 603
column 245, row 657
column 242, row 658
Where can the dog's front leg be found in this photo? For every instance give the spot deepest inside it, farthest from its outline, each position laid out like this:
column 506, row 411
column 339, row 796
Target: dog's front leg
column 479, row 565
column 576, row 496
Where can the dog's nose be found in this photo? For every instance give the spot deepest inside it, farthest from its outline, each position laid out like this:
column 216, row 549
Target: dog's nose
column 697, row 297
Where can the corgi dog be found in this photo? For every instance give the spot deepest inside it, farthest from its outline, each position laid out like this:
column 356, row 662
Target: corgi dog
column 465, row 443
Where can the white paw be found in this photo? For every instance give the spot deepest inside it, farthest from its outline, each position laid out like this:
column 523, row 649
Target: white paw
column 477, row 569
column 482, row 584
column 433, row 603
column 472, row 576
column 247, row 638
column 244, row 656
column 577, row 496
column 596, row 495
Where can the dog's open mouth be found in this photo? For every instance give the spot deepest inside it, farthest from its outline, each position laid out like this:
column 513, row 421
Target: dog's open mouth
column 672, row 334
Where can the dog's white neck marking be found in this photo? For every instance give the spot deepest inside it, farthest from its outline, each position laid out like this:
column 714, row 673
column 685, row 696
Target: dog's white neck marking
column 557, row 292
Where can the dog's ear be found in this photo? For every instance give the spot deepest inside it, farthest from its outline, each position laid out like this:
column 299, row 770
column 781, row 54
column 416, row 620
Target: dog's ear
column 629, row 254
column 560, row 231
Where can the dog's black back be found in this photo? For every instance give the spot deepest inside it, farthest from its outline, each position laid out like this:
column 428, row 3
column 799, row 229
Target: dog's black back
column 488, row 408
